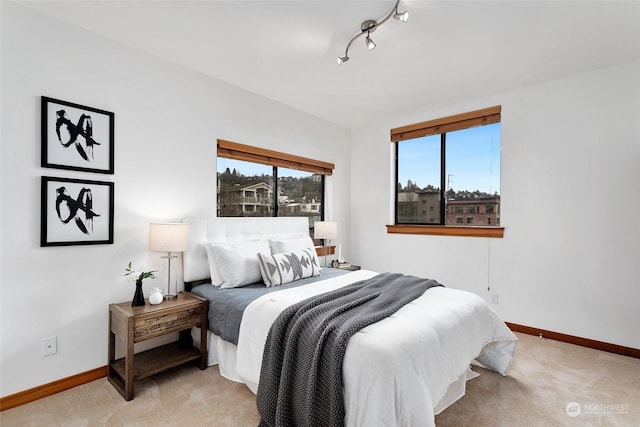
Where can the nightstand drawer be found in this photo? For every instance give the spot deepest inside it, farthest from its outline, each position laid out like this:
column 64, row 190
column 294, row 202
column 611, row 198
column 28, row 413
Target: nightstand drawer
column 152, row 326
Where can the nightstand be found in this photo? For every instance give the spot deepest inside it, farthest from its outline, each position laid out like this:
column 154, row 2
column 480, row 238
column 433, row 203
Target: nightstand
column 136, row 324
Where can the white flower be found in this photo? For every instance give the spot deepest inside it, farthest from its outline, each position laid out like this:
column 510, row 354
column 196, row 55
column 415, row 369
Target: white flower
column 135, row 275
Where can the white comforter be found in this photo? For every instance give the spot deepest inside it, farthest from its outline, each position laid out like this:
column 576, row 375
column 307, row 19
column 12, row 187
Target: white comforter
column 396, row 371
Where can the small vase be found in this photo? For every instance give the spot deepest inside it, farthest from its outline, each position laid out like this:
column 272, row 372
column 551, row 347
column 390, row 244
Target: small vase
column 156, row 296
column 138, row 297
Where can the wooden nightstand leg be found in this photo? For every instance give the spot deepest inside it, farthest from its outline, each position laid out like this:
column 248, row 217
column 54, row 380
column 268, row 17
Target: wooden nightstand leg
column 112, row 348
column 204, row 326
column 128, row 365
column 204, row 359
column 112, row 353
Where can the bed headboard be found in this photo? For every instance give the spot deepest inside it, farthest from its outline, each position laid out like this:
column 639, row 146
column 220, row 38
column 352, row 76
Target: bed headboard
column 230, row 230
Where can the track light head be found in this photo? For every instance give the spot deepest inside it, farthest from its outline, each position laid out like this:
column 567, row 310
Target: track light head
column 342, row 59
column 370, row 44
column 401, row 16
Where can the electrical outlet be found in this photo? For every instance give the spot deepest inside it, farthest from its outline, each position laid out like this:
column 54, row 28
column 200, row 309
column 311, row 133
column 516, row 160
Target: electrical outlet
column 49, row 345
column 494, row 298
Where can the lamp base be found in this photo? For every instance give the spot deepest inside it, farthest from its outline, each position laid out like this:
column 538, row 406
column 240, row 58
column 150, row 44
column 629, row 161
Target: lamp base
column 324, row 251
column 172, row 285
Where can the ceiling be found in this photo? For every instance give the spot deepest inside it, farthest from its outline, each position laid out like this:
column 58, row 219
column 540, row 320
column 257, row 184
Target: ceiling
column 448, row 51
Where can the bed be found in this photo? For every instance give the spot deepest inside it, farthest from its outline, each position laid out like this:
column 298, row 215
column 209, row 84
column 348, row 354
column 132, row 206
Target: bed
column 400, row 371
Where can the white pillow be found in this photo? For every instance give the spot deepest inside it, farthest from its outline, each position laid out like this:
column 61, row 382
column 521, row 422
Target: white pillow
column 213, row 270
column 287, row 267
column 236, row 264
column 292, row 244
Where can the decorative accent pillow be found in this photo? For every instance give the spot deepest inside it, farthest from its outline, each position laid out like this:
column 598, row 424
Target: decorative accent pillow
column 292, row 244
column 287, row 267
column 236, row 264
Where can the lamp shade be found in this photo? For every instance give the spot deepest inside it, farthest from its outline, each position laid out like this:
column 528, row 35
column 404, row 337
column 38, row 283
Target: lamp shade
column 168, row 237
column 325, row 230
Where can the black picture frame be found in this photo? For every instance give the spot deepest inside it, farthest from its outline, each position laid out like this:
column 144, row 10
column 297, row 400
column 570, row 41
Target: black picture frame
column 76, row 212
column 76, row 137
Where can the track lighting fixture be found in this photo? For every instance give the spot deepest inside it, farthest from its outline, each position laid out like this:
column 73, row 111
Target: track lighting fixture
column 369, row 26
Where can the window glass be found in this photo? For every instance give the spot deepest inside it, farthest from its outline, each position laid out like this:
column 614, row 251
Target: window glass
column 473, row 173
column 300, row 194
column 450, row 174
column 244, row 189
column 418, row 184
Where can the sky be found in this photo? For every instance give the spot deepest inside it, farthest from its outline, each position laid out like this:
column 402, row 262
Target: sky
column 472, row 160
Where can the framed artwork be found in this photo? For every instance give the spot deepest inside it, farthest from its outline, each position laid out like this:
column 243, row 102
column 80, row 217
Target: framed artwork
column 76, row 137
column 76, row 212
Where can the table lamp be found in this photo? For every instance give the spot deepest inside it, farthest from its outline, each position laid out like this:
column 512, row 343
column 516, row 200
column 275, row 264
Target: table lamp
column 169, row 237
column 325, row 230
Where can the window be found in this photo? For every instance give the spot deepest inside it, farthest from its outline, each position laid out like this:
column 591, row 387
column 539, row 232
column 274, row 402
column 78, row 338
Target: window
column 258, row 182
column 451, row 165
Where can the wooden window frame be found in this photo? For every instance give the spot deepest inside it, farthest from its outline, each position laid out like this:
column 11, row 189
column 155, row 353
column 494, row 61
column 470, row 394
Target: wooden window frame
column 462, row 121
column 247, row 153
column 471, row 119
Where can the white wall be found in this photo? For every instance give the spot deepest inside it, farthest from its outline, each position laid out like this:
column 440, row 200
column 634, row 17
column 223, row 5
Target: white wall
column 167, row 121
column 570, row 170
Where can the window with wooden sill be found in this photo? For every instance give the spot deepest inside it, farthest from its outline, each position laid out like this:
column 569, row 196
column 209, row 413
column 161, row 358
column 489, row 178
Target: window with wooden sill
column 448, row 176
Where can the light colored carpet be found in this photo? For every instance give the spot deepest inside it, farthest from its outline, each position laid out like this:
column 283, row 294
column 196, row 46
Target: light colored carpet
column 546, row 376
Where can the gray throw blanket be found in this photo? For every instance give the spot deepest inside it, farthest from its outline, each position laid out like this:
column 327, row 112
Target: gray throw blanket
column 301, row 374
